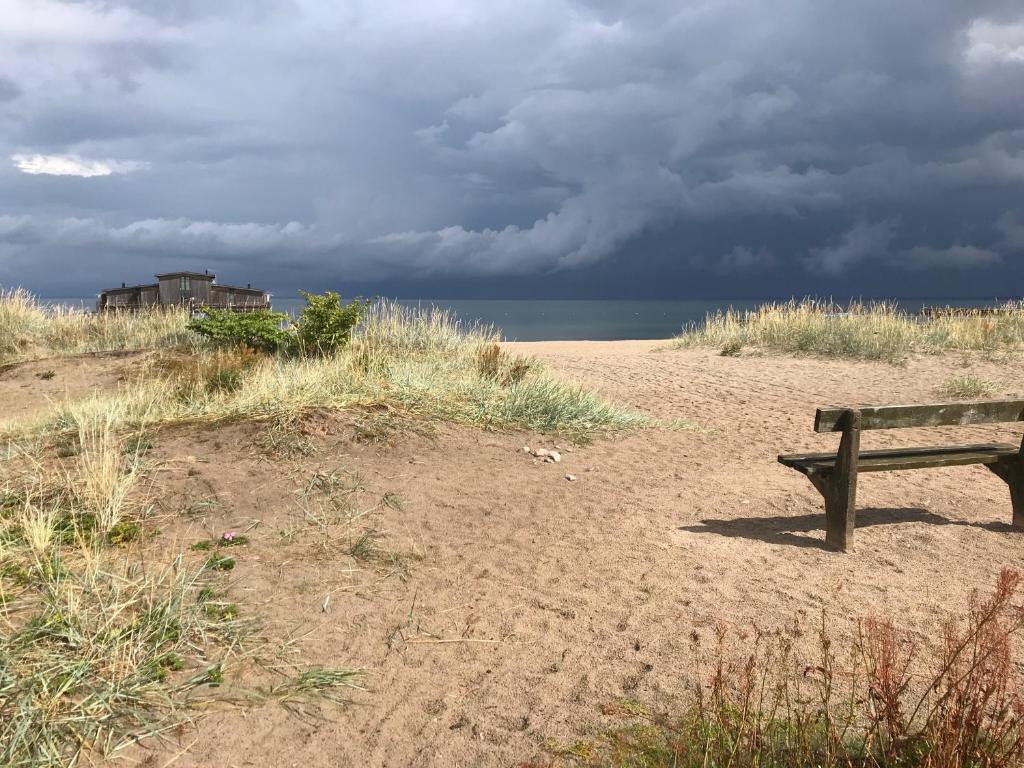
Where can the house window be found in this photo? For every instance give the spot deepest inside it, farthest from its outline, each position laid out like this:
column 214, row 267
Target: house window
column 185, row 283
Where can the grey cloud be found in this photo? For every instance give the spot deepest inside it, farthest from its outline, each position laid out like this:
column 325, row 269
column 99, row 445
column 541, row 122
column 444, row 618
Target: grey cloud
column 953, row 257
column 469, row 138
column 1012, row 231
column 745, row 260
column 9, row 90
column 863, row 241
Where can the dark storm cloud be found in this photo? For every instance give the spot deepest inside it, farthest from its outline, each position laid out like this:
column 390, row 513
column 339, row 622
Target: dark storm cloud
column 490, row 141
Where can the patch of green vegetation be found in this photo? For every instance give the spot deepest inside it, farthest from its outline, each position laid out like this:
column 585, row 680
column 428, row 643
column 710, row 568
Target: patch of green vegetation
column 65, row 449
column 261, row 330
column 325, row 325
column 157, row 668
column 194, row 508
column 225, row 380
column 137, row 445
column 365, row 547
column 221, row 611
column 285, row 437
column 88, row 667
column 124, row 533
column 966, row 387
column 220, row 563
column 393, row 501
column 319, row 681
column 212, row 676
column 226, row 540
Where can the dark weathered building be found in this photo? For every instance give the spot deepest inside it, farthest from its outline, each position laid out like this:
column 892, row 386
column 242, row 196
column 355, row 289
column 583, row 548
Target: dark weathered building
column 195, row 289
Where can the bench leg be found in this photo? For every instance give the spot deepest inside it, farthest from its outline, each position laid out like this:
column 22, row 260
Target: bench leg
column 840, row 510
column 1012, row 473
column 840, row 487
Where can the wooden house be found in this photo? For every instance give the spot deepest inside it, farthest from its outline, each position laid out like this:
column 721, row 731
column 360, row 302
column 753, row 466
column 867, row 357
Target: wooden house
column 193, row 289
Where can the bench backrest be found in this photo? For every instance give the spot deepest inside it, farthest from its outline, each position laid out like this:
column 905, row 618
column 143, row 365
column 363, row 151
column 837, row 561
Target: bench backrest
column 935, row 415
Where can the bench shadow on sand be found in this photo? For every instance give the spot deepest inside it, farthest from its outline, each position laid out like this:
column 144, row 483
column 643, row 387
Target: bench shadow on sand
column 788, row 529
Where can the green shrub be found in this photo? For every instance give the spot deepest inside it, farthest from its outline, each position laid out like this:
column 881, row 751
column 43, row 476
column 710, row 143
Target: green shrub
column 325, row 324
column 260, row 330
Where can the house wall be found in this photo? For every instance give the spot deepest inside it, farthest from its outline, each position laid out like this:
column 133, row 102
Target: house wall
column 227, row 296
column 201, row 289
column 122, row 298
column 168, row 290
column 171, row 291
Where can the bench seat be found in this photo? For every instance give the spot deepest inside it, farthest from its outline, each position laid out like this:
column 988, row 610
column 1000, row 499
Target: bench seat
column 904, row 458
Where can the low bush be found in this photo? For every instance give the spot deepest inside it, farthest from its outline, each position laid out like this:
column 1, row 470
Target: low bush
column 323, row 327
column 325, row 324
column 262, row 330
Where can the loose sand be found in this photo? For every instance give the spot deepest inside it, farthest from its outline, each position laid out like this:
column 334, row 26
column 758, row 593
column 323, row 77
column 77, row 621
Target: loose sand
column 527, row 601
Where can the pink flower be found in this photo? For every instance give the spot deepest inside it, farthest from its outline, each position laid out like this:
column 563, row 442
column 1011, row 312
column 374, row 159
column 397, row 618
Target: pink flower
column 228, row 536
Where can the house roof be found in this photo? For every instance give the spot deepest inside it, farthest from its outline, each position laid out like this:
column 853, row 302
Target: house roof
column 225, row 286
column 128, row 288
column 205, row 275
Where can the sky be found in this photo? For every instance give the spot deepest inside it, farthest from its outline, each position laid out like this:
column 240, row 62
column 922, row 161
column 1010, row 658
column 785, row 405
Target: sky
column 498, row 149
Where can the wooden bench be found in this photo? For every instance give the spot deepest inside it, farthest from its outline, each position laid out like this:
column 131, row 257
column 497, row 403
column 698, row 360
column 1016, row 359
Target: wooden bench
column 835, row 474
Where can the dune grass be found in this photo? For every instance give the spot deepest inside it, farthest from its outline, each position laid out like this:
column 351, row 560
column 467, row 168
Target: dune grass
column 30, row 330
column 966, row 387
column 421, row 364
column 101, row 644
column 864, row 331
column 96, row 648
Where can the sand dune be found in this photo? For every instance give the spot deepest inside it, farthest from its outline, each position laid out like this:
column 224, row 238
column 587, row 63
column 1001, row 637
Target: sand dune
column 527, row 601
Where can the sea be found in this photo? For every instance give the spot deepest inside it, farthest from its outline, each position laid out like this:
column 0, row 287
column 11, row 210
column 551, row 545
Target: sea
column 597, row 320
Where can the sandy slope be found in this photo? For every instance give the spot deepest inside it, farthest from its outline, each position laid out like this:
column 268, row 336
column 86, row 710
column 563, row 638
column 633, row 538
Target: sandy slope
column 530, row 601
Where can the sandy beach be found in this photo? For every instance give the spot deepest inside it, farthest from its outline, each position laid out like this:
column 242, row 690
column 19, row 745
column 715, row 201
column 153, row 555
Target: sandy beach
column 517, row 602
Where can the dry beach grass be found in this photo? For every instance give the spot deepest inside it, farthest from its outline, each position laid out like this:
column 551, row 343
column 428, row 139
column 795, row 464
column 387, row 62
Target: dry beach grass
column 863, row 331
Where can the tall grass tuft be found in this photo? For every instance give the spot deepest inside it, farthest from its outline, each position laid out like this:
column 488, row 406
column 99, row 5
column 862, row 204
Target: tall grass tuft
column 104, row 473
column 29, row 329
column 868, row 331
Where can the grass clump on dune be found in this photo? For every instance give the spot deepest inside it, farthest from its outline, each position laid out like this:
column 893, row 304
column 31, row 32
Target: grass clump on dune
column 28, row 329
column 100, row 646
column 96, row 648
column 966, row 387
column 871, row 331
column 422, row 364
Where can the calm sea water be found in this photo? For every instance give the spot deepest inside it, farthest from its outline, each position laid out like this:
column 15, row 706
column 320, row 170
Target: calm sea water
column 527, row 320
